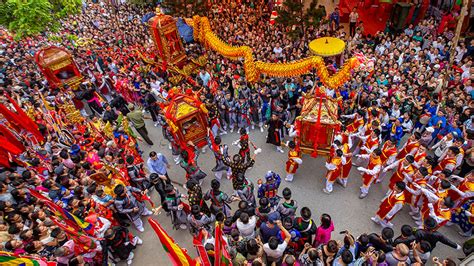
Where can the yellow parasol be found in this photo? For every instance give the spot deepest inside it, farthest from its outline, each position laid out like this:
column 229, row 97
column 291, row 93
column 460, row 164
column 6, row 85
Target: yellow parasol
column 327, row 46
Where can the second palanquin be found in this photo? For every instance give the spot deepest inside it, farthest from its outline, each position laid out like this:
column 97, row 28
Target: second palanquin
column 187, row 118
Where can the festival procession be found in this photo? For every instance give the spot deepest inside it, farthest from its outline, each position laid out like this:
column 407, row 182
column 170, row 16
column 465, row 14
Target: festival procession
column 236, row 132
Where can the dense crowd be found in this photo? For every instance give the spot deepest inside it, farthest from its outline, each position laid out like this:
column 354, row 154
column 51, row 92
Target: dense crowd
column 401, row 116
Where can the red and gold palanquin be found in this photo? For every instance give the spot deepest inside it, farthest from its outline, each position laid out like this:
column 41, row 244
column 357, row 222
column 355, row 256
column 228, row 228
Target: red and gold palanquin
column 58, row 67
column 317, row 124
column 167, row 40
column 187, row 118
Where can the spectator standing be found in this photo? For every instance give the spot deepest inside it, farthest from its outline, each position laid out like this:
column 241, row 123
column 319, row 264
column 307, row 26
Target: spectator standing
column 137, row 117
column 353, row 19
column 334, row 19
column 157, row 163
column 273, row 249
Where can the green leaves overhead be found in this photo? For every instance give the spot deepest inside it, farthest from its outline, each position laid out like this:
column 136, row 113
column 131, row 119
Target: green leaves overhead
column 294, row 15
column 30, row 17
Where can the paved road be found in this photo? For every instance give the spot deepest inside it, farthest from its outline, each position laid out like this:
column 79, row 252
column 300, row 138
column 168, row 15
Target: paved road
column 346, row 209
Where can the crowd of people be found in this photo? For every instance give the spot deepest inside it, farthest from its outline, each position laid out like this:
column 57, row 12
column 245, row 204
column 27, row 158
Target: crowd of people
column 412, row 114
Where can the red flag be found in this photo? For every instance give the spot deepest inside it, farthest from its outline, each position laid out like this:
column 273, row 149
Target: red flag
column 4, row 158
column 177, row 255
column 11, row 138
column 83, row 243
column 20, row 118
column 221, row 257
column 197, row 242
column 70, row 219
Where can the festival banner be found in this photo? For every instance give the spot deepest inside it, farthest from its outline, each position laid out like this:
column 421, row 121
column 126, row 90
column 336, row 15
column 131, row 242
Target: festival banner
column 221, row 257
column 10, row 259
column 83, row 243
column 69, row 218
column 197, row 242
column 177, row 255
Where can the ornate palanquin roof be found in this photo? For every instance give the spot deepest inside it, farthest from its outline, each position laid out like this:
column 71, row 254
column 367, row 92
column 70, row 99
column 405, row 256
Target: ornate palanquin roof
column 51, row 55
column 161, row 19
column 181, row 106
column 311, row 109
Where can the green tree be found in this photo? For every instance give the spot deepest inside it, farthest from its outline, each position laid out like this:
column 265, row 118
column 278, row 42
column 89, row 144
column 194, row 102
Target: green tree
column 66, row 7
column 28, row 17
column 293, row 16
column 314, row 14
column 31, row 17
column 6, row 12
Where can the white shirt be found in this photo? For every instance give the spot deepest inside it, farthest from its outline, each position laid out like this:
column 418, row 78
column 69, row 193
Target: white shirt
column 330, row 93
column 465, row 75
column 395, row 113
column 278, row 50
column 353, row 16
column 460, row 54
column 441, row 146
column 155, row 85
column 277, row 253
column 407, row 125
column 247, row 230
column 380, row 49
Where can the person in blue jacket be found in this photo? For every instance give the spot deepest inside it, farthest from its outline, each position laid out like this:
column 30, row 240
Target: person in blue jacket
column 334, row 17
column 395, row 130
column 431, row 107
column 438, row 122
column 452, row 127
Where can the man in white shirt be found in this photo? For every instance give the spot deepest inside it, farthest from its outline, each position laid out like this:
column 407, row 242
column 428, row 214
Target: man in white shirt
column 205, row 77
column 273, row 249
column 308, row 82
column 444, row 144
column 155, row 84
column 461, row 50
column 409, row 31
column 353, row 19
column 278, row 50
column 246, row 225
column 156, row 89
column 380, row 48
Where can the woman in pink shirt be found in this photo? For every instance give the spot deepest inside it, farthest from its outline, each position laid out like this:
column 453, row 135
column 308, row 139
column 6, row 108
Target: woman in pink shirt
column 323, row 233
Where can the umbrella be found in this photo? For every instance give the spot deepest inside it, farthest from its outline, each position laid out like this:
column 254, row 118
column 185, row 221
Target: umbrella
column 185, row 31
column 147, row 17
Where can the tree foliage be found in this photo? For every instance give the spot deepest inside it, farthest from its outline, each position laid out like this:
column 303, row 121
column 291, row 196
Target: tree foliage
column 30, row 17
column 314, row 14
column 294, row 16
column 66, row 7
column 291, row 14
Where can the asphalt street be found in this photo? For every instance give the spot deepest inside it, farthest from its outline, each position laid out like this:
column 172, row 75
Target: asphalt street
column 348, row 212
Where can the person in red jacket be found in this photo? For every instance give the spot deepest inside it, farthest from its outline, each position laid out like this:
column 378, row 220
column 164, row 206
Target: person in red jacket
column 390, row 206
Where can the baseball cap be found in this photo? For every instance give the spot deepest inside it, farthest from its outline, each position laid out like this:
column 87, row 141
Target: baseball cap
column 274, row 216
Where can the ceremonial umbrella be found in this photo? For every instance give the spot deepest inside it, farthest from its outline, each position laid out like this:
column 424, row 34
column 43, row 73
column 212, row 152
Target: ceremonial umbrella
column 327, row 46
